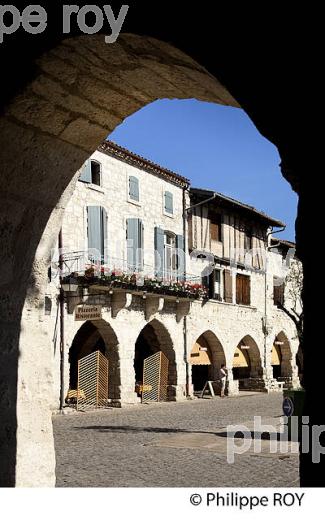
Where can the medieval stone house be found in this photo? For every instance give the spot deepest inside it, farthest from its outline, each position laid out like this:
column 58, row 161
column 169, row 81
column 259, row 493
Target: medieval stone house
column 167, row 270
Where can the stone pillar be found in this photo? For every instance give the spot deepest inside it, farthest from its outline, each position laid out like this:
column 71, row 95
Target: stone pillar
column 232, row 385
column 35, row 400
column 126, row 354
column 127, row 389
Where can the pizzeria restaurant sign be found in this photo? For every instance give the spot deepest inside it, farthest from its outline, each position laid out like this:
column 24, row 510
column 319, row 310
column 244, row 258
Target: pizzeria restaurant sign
column 88, row 312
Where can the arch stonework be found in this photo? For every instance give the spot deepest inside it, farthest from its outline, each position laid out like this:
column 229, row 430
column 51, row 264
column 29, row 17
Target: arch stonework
column 252, row 352
column 100, row 329
column 159, row 337
column 216, row 349
column 81, row 91
column 216, row 353
column 288, row 347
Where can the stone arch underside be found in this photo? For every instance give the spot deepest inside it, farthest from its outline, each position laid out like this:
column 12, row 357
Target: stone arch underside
column 283, row 348
column 249, row 369
column 213, row 353
column 82, row 89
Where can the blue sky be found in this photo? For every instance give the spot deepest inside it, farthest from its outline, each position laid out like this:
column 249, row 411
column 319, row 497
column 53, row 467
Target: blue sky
column 215, row 147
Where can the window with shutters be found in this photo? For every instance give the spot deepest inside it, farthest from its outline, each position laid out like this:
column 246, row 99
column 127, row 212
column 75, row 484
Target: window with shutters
column 134, row 189
column 96, row 233
column 217, row 287
column 96, row 174
column 243, row 289
column 134, row 237
column 170, row 257
column 215, row 226
column 227, row 283
column 278, row 292
column 91, row 173
column 214, row 285
column 168, row 203
column 85, row 173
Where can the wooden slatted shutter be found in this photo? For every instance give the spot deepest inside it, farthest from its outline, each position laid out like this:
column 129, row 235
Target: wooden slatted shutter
column 95, row 231
column 85, row 175
column 134, row 192
column 104, row 235
column 246, row 290
column 227, row 286
column 169, row 203
column 243, row 289
column 239, row 289
column 132, row 235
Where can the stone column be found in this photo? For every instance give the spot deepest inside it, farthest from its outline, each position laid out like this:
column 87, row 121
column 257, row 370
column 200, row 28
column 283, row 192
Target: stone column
column 232, row 385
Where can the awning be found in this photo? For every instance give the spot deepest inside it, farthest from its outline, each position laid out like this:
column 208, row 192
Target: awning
column 276, row 355
column 241, row 359
column 200, row 355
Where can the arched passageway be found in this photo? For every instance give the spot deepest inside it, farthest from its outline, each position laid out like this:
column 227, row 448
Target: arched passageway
column 281, row 358
column 154, row 338
column 206, row 358
column 80, row 90
column 91, row 337
column 47, row 132
column 247, row 364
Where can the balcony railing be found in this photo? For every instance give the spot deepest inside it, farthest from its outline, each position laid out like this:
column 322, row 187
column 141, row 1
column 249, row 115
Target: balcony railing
column 114, row 273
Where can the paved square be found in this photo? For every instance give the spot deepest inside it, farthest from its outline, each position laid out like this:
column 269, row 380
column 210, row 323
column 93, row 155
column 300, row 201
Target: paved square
column 170, row 445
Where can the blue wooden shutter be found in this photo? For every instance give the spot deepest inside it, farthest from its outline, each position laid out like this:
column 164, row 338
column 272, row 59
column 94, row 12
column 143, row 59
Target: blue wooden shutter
column 95, row 231
column 180, row 257
column 159, row 252
column 169, row 203
column 133, row 236
column 85, row 175
column 104, row 235
column 134, row 188
column 140, row 253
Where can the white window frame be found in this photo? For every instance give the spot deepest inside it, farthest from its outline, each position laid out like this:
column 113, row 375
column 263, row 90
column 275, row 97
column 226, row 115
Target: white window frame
column 170, row 274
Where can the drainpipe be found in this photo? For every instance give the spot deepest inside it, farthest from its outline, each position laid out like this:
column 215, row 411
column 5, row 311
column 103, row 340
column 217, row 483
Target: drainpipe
column 61, row 305
column 268, row 248
column 185, row 317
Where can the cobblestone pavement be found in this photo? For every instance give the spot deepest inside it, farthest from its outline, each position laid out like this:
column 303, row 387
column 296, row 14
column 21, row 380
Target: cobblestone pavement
column 168, row 445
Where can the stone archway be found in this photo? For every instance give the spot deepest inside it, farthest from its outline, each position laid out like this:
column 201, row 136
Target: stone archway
column 281, row 357
column 247, row 365
column 153, row 338
column 206, row 357
column 26, row 147
column 93, row 336
column 81, row 90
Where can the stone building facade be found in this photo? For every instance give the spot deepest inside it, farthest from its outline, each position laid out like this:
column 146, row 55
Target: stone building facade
column 189, row 273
